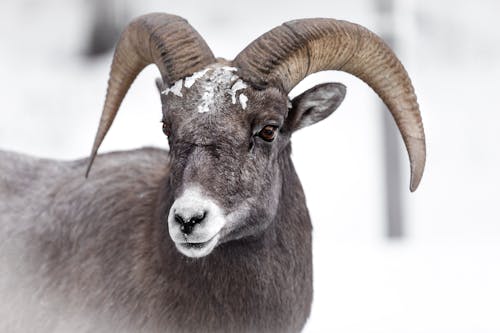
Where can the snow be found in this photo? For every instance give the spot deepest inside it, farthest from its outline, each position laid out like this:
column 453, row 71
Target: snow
column 207, row 99
column 176, row 88
column 243, row 101
column 443, row 276
column 190, row 80
column 219, row 76
column 238, row 85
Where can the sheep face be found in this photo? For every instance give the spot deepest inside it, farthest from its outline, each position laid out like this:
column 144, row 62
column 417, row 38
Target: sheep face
column 226, row 141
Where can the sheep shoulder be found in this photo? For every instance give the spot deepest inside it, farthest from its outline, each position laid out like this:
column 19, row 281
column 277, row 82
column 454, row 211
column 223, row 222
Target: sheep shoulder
column 65, row 239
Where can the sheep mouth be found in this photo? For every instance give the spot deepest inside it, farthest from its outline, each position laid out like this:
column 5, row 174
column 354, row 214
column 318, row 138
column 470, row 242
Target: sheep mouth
column 198, row 249
column 194, row 245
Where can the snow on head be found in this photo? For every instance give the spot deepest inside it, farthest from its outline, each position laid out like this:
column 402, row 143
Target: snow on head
column 238, row 85
column 213, row 82
column 243, row 101
column 190, row 80
column 220, row 80
column 175, row 89
column 207, row 99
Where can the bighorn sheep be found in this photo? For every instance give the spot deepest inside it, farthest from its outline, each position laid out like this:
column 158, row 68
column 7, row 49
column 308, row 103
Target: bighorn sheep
column 213, row 235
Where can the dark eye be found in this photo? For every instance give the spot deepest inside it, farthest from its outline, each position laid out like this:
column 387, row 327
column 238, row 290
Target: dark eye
column 268, row 133
column 166, row 129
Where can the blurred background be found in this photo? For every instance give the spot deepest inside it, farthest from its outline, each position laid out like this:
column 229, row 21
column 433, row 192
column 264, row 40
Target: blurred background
column 385, row 260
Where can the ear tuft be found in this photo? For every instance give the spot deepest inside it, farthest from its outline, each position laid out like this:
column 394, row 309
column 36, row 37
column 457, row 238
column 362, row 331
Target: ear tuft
column 315, row 105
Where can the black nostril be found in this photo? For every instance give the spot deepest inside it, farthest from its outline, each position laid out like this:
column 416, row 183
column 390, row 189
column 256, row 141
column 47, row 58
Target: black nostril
column 187, row 225
column 179, row 219
column 198, row 219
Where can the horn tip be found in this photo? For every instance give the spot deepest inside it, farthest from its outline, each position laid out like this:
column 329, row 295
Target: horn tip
column 414, row 184
column 91, row 161
column 417, row 171
column 89, row 166
column 87, row 172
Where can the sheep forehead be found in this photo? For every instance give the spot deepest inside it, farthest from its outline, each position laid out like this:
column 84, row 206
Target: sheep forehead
column 214, row 85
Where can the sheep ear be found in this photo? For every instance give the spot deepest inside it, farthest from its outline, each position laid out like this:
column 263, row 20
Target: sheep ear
column 315, row 105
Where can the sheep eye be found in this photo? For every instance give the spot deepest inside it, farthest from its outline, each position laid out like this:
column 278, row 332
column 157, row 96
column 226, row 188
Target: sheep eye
column 268, row 133
column 166, row 129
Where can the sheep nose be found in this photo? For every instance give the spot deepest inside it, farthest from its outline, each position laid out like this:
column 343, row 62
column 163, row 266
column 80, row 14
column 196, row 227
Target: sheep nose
column 187, row 223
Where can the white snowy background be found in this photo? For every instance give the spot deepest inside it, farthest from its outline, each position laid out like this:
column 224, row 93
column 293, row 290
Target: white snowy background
column 443, row 275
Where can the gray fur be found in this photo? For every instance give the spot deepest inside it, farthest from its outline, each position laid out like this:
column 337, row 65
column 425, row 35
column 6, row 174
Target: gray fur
column 95, row 255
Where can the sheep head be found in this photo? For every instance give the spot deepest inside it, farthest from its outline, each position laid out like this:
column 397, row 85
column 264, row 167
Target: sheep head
column 229, row 122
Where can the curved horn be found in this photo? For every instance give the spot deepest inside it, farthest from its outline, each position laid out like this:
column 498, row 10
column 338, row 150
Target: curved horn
column 285, row 55
column 166, row 40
